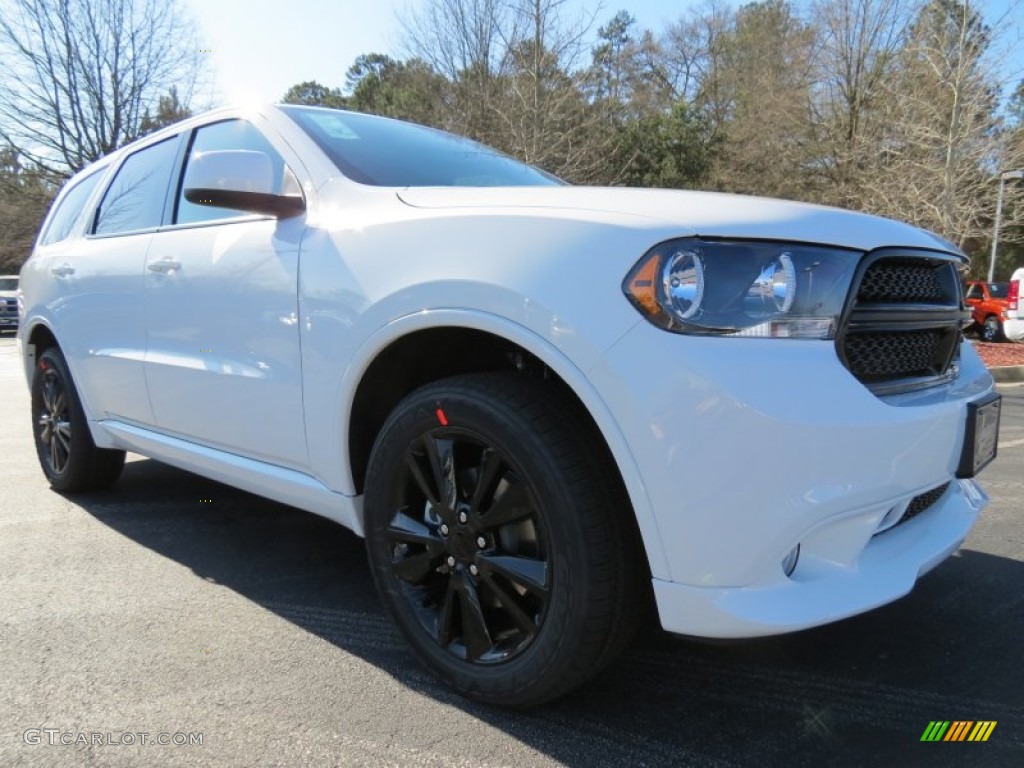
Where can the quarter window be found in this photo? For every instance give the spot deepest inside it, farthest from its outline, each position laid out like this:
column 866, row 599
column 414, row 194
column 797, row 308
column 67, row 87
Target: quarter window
column 136, row 197
column 230, row 134
column 69, row 209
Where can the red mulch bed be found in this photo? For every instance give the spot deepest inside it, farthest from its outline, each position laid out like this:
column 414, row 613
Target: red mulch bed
column 1000, row 354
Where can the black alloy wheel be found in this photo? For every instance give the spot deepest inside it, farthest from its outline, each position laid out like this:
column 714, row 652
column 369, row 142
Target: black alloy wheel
column 53, row 422
column 67, row 454
column 500, row 538
column 468, row 548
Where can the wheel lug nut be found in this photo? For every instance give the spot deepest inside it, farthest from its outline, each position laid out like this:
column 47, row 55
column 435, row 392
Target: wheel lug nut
column 444, row 529
column 481, row 542
column 451, row 561
column 463, row 517
column 474, row 570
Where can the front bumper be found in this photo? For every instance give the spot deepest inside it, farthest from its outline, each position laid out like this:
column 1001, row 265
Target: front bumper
column 749, row 447
column 819, row 591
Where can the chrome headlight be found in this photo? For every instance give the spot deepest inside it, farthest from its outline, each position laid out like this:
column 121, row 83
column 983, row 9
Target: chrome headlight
column 742, row 288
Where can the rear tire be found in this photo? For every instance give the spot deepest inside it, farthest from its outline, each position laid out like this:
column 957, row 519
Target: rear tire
column 501, row 539
column 68, row 456
column 992, row 330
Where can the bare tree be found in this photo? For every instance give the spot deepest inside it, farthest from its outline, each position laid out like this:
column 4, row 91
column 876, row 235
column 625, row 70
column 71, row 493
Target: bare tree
column 942, row 146
column 763, row 86
column 458, row 36
column 543, row 116
column 81, row 75
column 859, row 41
column 515, row 74
column 691, row 59
column 463, row 41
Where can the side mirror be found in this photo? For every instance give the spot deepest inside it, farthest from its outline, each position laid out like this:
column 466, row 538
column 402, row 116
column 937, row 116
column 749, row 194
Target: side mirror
column 242, row 180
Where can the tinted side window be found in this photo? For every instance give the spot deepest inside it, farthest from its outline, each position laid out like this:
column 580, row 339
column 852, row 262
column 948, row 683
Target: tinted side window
column 998, row 290
column 136, row 197
column 230, row 134
column 69, row 208
column 974, row 292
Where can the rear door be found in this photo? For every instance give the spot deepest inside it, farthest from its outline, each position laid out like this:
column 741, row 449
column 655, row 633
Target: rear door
column 100, row 313
column 222, row 331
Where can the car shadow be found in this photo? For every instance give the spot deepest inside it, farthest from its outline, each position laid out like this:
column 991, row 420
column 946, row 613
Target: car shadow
column 860, row 690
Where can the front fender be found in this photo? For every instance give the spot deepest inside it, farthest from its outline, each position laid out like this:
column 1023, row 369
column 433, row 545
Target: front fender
column 536, row 345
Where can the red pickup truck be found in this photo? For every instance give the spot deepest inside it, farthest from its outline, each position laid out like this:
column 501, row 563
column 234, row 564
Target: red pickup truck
column 990, row 304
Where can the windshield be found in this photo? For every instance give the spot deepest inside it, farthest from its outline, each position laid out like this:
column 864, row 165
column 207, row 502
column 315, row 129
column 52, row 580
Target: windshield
column 8, row 283
column 998, row 290
column 390, row 153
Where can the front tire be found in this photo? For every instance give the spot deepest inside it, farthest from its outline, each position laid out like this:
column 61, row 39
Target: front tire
column 68, row 456
column 500, row 538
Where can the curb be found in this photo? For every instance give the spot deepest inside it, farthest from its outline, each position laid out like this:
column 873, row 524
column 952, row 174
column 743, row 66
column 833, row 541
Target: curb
column 1004, row 374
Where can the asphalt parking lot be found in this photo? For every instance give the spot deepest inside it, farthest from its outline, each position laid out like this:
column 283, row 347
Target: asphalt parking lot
column 174, row 606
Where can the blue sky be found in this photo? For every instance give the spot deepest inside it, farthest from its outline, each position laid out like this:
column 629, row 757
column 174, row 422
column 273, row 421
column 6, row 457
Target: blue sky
column 261, row 47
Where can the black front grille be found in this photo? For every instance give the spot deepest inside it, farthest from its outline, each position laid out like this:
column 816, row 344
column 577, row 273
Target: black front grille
column 884, row 355
column 901, row 281
column 902, row 330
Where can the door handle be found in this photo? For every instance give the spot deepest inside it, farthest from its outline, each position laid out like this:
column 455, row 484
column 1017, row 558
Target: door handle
column 164, row 265
column 64, row 270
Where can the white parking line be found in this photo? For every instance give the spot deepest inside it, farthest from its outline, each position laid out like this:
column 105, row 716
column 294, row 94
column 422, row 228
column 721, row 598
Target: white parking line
column 1011, row 443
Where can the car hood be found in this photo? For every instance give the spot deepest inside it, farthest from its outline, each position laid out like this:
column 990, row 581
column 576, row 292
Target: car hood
column 705, row 214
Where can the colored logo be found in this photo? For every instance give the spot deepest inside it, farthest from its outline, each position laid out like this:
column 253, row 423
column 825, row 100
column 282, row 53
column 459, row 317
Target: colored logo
column 959, row 730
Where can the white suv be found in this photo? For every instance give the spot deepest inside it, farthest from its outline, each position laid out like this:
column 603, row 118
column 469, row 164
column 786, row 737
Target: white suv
column 1013, row 321
column 540, row 404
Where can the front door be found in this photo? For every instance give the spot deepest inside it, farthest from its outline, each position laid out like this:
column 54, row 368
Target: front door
column 222, row 350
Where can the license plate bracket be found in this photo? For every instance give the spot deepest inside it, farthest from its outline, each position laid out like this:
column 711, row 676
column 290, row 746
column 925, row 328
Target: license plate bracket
column 981, row 436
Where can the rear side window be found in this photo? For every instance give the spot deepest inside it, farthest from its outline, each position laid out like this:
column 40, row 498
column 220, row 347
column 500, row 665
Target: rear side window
column 230, row 134
column 998, row 290
column 69, row 209
column 136, row 196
